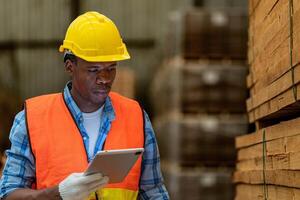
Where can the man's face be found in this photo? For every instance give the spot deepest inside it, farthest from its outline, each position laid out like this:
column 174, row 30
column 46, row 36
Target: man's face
column 91, row 82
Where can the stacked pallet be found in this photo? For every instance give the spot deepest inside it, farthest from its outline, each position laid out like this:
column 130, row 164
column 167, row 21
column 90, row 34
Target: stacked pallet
column 192, row 141
column 206, row 102
column 192, row 87
column 198, row 184
column 268, row 161
column 199, row 95
column 200, row 109
column 208, row 34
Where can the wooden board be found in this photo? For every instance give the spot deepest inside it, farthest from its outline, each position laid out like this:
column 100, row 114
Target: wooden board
column 256, row 192
column 262, row 11
column 270, row 26
column 283, row 145
column 288, row 161
column 286, row 178
column 283, row 129
column 252, row 5
column 282, row 105
column 275, row 89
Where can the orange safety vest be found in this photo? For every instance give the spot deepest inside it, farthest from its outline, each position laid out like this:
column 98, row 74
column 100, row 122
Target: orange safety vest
column 58, row 147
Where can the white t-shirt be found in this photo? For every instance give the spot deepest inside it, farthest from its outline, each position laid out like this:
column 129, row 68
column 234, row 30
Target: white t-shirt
column 91, row 123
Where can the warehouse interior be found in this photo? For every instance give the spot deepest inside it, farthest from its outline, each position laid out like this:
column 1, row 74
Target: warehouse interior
column 218, row 78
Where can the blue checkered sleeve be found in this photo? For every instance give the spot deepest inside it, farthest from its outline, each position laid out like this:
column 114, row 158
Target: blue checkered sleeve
column 19, row 170
column 151, row 182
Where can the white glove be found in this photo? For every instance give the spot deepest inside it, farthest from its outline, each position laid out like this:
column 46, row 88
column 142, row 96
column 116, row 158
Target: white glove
column 78, row 186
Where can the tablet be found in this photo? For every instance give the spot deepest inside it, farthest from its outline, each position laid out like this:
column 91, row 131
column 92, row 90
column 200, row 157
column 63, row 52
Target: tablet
column 114, row 163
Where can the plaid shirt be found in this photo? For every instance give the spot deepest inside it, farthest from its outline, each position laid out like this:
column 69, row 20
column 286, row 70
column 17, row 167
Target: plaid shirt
column 19, row 170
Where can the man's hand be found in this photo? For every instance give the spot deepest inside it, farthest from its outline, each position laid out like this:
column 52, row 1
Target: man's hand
column 77, row 186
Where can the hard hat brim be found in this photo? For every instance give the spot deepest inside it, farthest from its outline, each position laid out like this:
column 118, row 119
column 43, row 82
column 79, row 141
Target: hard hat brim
column 106, row 58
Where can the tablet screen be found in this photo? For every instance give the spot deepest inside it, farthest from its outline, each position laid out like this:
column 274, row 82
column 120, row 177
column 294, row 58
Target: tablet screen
column 114, row 163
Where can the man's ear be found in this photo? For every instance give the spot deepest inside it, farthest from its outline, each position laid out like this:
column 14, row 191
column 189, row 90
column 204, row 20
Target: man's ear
column 69, row 66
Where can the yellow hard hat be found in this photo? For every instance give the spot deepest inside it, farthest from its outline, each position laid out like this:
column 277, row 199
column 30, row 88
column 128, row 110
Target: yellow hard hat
column 94, row 38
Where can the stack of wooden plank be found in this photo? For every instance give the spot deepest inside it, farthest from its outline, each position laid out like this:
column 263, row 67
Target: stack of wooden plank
column 274, row 44
column 199, row 95
column 200, row 109
column 192, row 87
column 208, row 34
column 204, row 184
column 215, row 34
column 268, row 160
column 195, row 141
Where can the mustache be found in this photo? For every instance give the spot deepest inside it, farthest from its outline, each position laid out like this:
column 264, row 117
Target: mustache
column 103, row 87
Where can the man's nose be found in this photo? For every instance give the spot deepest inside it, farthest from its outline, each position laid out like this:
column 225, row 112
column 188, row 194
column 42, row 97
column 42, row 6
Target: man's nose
column 103, row 77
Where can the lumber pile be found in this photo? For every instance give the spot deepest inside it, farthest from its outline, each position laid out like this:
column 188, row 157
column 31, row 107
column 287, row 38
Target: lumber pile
column 192, row 87
column 215, row 34
column 200, row 109
column 198, row 184
column 268, row 159
column 208, row 34
column 199, row 97
column 250, row 192
column 195, row 141
column 273, row 54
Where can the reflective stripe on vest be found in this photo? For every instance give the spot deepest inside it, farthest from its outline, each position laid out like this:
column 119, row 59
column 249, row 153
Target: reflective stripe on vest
column 58, row 148
column 114, row 193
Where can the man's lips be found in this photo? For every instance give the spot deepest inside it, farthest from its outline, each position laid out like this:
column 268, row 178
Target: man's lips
column 101, row 91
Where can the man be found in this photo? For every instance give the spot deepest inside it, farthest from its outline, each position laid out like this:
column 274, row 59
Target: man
column 56, row 135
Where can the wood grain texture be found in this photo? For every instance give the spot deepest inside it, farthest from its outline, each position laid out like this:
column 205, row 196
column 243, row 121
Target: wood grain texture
column 250, row 192
column 270, row 75
column 281, row 130
column 286, row 178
